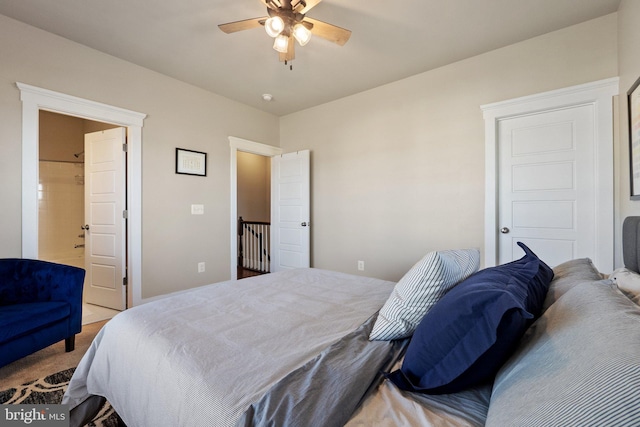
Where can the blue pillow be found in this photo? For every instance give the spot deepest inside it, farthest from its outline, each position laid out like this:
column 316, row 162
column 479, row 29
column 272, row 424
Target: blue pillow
column 472, row 330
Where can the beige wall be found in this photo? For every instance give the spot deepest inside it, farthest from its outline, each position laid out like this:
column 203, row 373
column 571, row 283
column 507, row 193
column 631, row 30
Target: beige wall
column 398, row 171
column 629, row 71
column 62, row 136
column 254, row 187
column 179, row 115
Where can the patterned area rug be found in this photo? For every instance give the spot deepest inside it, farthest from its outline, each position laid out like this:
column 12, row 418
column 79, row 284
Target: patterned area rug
column 49, row 390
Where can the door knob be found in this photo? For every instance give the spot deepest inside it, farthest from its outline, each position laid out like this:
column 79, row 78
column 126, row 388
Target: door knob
column 504, row 230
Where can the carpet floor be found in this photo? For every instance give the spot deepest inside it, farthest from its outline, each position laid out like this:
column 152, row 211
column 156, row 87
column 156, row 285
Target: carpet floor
column 49, row 390
column 48, row 360
column 43, row 377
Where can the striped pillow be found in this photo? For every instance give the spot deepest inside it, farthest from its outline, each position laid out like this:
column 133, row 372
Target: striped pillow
column 419, row 289
column 578, row 365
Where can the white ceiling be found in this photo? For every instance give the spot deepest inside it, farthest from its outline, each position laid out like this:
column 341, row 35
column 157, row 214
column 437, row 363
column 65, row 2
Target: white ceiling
column 390, row 40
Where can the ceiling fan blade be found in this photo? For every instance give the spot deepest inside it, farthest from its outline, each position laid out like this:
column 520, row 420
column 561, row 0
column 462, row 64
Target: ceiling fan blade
column 245, row 24
column 329, row 32
column 272, row 4
column 304, row 6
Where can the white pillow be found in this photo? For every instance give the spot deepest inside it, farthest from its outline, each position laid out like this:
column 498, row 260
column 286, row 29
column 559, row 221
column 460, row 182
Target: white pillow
column 418, row 290
column 628, row 282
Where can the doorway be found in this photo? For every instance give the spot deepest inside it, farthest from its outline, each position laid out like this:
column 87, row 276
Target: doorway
column 36, row 99
column 244, row 146
column 290, row 205
column 61, row 197
column 254, row 213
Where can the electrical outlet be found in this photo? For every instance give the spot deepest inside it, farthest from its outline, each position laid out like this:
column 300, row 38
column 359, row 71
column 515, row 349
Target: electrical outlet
column 360, row 265
column 201, row 267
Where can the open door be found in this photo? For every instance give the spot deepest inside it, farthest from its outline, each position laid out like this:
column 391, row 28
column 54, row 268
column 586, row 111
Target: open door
column 105, row 195
column 290, row 233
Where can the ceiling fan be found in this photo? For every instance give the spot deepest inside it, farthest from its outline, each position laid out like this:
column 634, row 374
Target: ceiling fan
column 286, row 22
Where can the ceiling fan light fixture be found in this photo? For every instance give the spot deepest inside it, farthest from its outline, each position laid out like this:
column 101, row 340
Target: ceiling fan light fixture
column 287, row 23
column 274, row 26
column 302, row 34
column 281, row 43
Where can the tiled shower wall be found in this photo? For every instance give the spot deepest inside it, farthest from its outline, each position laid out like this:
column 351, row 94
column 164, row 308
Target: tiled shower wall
column 61, row 212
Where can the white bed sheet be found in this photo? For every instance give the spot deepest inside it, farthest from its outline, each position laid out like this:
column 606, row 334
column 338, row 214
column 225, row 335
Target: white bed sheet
column 201, row 357
column 388, row 406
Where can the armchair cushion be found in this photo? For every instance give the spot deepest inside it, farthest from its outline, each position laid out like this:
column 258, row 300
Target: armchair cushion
column 21, row 319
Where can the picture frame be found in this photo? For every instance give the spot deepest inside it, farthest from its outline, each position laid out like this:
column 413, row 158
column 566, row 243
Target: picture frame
column 633, row 103
column 189, row 162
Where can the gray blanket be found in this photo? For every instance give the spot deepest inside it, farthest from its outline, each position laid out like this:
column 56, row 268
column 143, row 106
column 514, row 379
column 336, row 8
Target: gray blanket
column 287, row 348
column 326, row 390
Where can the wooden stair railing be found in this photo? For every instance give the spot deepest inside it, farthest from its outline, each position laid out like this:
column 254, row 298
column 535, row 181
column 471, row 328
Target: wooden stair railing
column 253, row 245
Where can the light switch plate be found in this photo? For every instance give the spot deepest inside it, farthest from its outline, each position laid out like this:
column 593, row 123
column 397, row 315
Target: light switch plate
column 197, row 209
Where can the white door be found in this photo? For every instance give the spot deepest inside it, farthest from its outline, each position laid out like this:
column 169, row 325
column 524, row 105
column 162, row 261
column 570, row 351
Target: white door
column 290, row 234
column 104, row 218
column 547, row 185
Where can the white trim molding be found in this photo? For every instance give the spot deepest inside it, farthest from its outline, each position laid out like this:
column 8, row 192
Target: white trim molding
column 35, row 99
column 239, row 144
column 599, row 94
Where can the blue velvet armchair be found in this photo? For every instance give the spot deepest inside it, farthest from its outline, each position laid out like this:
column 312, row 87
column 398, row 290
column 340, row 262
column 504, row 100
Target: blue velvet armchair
column 40, row 304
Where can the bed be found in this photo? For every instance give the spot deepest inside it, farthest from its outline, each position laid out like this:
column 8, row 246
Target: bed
column 311, row 347
column 219, row 354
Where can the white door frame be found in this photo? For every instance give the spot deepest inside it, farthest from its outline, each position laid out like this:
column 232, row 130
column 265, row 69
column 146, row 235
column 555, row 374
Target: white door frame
column 35, row 99
column 599, row 94
column 239, row 144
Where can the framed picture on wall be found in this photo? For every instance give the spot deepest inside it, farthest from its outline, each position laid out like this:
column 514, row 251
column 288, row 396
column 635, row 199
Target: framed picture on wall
column 190, row 162
column 633, row 98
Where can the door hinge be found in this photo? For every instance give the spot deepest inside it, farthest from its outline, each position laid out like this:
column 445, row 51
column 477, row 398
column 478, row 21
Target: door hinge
column 125, row 147
column 125, row 282
column 125, row 214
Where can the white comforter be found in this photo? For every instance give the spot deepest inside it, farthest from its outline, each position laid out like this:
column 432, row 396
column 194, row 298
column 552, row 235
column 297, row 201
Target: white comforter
column 201, row 357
